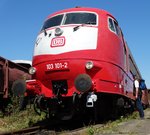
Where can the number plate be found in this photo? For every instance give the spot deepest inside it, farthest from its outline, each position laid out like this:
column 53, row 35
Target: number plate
column 57, row 66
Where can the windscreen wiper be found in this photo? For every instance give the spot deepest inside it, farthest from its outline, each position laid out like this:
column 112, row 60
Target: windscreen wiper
column 45, row 32
column 77, row 27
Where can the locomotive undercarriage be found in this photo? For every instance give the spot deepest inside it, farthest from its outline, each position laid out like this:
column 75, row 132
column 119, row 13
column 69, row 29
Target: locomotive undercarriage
column 85, row 102
column 66, row 108
column 58, row 107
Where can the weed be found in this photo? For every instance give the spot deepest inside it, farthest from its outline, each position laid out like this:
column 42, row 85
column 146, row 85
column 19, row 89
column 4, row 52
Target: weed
column 20, row 120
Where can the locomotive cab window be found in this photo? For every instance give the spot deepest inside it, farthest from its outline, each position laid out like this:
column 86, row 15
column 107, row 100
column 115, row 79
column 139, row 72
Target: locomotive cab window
column 80, row 18
column 113, row 26
column 54, row 21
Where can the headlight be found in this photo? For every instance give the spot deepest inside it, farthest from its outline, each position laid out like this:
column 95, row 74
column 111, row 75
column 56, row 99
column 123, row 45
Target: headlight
column 58, row 31
column 32, row 70
column 89, row 65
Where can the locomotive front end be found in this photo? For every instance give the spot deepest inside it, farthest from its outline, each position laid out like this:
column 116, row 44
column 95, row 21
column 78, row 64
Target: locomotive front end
column 63, row 58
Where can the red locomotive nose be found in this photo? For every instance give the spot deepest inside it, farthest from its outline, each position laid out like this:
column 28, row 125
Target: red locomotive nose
column 83, row 83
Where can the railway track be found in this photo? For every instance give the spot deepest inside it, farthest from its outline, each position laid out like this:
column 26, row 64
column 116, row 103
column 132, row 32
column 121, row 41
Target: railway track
column 50, row 130
column 40, row 131
column 28, row 131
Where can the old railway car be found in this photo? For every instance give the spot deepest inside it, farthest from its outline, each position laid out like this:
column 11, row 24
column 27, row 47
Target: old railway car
column 81, row 62
column 11, row 73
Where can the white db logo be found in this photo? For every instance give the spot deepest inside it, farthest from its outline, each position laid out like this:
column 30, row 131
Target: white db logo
column 58, row 41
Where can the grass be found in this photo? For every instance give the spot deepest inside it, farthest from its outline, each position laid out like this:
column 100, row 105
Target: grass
column 19, row 120
column 111, row 126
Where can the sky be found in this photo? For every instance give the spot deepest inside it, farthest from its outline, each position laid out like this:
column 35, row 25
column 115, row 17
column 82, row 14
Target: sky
column 21, row 20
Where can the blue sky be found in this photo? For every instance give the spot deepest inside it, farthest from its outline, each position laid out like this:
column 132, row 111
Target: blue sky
column 21, row 20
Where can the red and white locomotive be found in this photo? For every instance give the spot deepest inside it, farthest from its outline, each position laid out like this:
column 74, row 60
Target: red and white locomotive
column 81, row 62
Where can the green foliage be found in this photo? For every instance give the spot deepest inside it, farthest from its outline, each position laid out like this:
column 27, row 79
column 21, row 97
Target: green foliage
column 91, row 131
column 20, row 120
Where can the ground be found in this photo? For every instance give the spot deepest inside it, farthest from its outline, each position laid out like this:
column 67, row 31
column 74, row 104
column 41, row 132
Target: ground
column 135, row 126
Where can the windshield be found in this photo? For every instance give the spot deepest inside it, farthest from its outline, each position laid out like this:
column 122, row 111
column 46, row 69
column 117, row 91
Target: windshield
column 70, row 18
column 54, row 21
column 80, row 18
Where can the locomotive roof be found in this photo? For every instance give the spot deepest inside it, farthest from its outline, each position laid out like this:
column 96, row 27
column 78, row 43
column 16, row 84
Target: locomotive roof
column 97, row 10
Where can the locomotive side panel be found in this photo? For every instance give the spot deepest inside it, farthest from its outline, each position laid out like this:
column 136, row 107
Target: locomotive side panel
column 111, row 51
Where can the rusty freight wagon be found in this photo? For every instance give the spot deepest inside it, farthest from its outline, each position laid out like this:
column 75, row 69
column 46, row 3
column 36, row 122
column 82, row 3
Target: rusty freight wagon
column 10, row 72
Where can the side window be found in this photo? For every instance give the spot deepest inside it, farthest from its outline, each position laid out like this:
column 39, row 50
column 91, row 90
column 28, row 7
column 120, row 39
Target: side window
column 117, row 28
column 113, row 26
column 125, row 59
